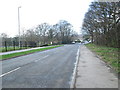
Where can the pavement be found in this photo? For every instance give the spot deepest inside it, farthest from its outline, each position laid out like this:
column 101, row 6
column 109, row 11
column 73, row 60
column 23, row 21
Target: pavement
column 46, row 69
column 93, row 72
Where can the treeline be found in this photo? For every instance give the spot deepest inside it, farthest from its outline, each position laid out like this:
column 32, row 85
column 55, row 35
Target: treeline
column 102, row 23
column 60, row 33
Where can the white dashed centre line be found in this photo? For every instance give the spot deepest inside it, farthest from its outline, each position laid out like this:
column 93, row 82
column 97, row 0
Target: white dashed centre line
column 41, row 58
column 19, row 68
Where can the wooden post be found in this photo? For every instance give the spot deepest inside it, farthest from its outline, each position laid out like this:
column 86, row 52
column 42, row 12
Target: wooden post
column 14, row 44
column 5, row 46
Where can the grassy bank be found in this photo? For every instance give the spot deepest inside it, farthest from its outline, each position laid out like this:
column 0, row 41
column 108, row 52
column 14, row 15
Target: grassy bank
column 108, row 54
column 27, row 52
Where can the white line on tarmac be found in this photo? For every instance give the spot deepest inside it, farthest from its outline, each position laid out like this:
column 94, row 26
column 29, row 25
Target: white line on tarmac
column 19, row 68
column 10, row 72
column 41, row 58
column 75, row 69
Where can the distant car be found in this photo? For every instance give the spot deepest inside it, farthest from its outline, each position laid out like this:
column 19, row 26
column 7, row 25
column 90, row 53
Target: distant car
column 73, row 42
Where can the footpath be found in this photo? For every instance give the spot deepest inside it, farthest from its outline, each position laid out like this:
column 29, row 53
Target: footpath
column 93, row 72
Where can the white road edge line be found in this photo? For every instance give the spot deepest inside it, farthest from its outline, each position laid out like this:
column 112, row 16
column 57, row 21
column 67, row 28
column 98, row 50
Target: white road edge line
column 10, row 72
column 72, row 84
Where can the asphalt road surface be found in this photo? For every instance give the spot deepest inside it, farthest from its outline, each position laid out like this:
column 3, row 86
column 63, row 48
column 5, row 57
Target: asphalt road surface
column 47, row 69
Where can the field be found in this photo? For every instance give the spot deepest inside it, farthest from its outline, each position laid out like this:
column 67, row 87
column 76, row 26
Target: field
column 3, row 49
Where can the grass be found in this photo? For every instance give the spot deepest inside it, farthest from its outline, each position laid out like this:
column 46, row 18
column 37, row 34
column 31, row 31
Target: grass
column 27, row 52
column 108, row 54
column 2, row 49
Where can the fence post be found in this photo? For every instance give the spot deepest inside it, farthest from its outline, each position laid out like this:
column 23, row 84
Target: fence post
column 26, row 44
column 20, row 44
column 5, row 46
column 14, row 44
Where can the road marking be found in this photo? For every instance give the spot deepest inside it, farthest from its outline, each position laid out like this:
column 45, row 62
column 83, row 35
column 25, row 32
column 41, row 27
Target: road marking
column 35, row 60
column 41, row 58
column 19, row 68
column 45, row 56
column 75, row 69
column 10, row 72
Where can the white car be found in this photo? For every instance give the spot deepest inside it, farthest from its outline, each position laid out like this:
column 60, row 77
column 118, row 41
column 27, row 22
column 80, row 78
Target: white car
column 73, row 42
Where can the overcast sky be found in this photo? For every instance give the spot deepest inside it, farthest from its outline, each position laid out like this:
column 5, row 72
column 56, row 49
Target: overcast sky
column 34, row 12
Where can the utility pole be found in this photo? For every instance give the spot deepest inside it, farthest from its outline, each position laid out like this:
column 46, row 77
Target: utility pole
column 19, row 24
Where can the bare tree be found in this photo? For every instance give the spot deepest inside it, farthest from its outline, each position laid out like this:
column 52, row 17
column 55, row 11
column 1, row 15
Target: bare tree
column 101, row 22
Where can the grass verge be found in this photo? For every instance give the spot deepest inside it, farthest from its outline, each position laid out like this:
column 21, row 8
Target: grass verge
column 27, row 52
column 108, row 54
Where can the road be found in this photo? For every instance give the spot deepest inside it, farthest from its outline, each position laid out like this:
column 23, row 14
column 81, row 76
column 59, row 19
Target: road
column 47, row 69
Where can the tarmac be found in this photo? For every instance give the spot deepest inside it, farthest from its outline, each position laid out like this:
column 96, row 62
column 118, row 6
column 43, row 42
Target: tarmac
column 92, row 72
